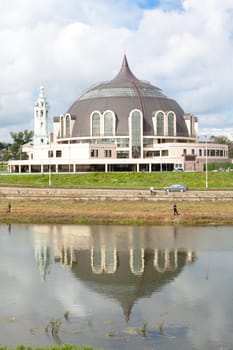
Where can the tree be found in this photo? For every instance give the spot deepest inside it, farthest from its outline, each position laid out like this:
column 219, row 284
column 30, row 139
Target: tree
column 226, row 141
column 14, row 150
column 222, row 140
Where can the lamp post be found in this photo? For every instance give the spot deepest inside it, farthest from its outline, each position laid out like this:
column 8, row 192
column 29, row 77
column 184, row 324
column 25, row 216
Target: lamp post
column 161, row 167
column 50, row 154
column 206, row 164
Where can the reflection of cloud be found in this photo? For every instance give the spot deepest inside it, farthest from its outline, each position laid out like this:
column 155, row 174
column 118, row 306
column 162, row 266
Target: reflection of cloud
column 193, row 301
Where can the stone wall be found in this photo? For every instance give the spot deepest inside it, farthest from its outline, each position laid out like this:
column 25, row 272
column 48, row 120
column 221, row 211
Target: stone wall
column 107, row 194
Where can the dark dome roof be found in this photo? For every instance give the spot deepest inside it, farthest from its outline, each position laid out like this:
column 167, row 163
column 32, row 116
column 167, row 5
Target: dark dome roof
column 121, row 95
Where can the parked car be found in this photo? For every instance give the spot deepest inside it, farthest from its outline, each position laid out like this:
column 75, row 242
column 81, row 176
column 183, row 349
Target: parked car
column 176, row 188
column 178, row 169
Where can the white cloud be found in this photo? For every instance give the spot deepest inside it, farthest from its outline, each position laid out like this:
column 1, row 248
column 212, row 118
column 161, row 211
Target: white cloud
column 185, row 48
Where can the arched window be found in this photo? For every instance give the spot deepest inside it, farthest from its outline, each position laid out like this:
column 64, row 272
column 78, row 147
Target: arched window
column 136, row 133
column 95, row 124
column 62, row 127
column 96, row 260
column 109, row 124
column 67, row 127
column 160, row 124
column 137, row 260
column 171, row 124
column 110, row 260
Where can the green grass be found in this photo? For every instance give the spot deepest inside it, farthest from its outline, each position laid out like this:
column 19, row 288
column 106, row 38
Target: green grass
column 133, row 180
column 54, row 347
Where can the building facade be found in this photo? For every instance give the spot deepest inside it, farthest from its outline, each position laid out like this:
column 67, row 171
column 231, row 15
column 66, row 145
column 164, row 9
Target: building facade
column 125, row 124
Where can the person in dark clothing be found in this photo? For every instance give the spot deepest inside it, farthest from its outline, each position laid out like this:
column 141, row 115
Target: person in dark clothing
column 175, row 212
column 9, row 208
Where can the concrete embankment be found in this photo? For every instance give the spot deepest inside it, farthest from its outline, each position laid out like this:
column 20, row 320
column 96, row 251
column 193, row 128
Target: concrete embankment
column 111, row 194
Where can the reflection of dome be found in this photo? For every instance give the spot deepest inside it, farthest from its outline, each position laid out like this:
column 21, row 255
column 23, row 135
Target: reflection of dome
column 124, row 285
column 122, row 95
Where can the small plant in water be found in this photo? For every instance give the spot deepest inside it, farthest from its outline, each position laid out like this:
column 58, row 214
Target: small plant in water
column 161, row 327
column 53, row 327
column 142, row 330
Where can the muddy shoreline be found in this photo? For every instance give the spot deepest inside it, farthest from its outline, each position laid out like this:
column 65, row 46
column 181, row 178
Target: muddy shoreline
column 56, row 206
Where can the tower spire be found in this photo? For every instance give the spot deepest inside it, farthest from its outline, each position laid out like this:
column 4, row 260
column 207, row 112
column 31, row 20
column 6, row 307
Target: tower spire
column 41, row 119
column 125, row 73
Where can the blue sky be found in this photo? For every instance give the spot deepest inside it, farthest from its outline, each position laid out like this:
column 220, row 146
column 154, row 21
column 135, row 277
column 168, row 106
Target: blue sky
column 165, row 4
column 185, row 47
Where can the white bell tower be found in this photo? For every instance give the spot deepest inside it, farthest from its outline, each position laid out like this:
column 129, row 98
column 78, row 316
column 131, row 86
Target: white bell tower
column 41, row 119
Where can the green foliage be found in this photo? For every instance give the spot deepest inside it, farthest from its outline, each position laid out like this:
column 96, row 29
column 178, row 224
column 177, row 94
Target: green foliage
column 14, row 149
column 143, row 329
column 230, row 152
column 53, row 327
column 220, row 166
column 221, row 139
column 54, row 347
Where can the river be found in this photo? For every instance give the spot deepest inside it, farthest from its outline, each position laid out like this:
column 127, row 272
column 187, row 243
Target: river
column 117, row 287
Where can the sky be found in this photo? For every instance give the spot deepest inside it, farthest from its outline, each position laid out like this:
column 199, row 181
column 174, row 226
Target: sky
column 185, row 47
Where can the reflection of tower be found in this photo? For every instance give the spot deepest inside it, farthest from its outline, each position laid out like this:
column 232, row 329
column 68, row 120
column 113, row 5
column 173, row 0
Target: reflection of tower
column 41, row 120
column 63, row 250
column 43, row 260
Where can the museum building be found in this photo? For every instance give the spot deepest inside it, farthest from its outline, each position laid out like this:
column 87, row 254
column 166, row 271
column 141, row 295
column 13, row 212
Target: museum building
column 125, row 124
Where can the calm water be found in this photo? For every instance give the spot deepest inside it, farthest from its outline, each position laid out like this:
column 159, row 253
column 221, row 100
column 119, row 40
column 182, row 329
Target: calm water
column 117, row 287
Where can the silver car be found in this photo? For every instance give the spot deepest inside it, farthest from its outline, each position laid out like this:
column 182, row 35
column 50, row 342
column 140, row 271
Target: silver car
column 176, row 188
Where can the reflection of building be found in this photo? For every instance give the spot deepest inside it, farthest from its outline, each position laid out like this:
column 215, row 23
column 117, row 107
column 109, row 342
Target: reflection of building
column 43, row 260
column 124, row 124
column 125, row 268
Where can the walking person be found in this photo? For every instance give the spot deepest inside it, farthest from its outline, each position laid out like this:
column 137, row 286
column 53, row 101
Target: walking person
column 9, row 208
column 175, row 212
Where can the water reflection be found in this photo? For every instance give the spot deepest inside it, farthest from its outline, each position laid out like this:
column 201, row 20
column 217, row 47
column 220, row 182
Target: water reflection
column 112, row 280
column 124, row 268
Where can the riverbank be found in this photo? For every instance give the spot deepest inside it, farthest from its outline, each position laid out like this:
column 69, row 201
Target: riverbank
column 128, row 212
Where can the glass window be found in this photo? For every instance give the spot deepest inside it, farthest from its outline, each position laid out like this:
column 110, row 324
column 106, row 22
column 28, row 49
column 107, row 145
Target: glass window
column 171, row 123
column 50, row 154
column 160, row 124
column 122, row 154
column 123, row 142
column 108, row 124
column 58, row 154
column 108, row 153
column 136, row 133
column 94, row 153
column 62, row 127
column 96, row 124
column 67, row 126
